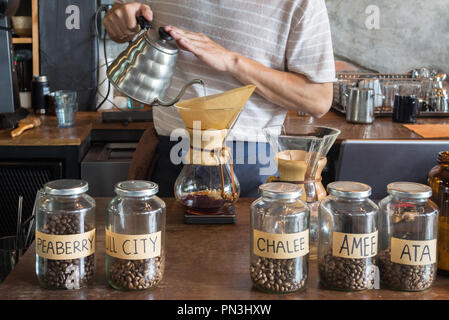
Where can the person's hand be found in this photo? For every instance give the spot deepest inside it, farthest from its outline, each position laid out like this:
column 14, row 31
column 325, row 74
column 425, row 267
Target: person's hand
column 121, row 23
column 203, row 47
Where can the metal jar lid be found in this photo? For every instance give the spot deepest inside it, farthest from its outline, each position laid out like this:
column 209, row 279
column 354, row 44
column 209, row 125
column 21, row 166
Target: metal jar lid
column 280, row 190
column 136, row 188
column 66, row 187
column 349, row 189
column 411, row 190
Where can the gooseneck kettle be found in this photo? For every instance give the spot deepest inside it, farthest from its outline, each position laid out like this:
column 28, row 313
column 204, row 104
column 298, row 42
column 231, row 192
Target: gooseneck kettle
column 143, row 71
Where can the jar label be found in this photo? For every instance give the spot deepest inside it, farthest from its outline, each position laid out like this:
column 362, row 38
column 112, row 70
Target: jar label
column 353, row 245
column 133, row 246
column 281, row 246
column 414, row 253
column 65, row 247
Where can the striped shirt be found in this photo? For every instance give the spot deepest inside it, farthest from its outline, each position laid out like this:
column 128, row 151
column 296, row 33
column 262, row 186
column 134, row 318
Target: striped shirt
column 285, row 35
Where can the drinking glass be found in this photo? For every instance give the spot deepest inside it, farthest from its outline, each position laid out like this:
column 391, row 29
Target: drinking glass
column 389, row 90
column 410, row 88
column 66, row 107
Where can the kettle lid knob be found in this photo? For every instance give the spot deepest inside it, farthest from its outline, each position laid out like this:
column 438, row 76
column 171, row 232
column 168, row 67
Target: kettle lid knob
column 164, row 35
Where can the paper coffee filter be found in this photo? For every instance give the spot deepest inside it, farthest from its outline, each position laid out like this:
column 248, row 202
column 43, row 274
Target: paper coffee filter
column 218, row 111
column 294, row 165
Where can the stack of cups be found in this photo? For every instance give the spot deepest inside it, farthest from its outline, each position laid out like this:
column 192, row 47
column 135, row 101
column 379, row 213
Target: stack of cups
column 66, row 107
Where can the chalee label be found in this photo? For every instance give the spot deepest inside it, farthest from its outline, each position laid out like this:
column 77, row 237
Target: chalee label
column 65, row 247
column 354, row 246
column 133, row 247
column 281, row 246
column 414, row 253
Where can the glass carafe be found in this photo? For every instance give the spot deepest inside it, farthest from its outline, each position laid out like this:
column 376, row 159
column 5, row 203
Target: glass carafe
column 208, row 188
column 207, row 184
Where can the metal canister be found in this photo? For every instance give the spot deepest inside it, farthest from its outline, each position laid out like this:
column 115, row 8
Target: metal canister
column 39, row 89
column 360, row 107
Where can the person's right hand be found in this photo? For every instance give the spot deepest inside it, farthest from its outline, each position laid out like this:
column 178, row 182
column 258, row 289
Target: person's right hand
column 121, row 23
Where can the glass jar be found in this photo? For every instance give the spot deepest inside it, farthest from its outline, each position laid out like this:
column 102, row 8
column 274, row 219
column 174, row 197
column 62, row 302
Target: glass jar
column 279, row 239
column 135, row 236
column 348, row 237
column 439, row 182
column 65, row 235
column 408, row 223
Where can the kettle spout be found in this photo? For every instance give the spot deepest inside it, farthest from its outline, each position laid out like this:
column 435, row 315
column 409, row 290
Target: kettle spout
column 180, row 94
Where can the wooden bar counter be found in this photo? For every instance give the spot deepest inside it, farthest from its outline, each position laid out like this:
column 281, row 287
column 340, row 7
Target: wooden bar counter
column 50, row 135
column 383, row 128
column 203, row 263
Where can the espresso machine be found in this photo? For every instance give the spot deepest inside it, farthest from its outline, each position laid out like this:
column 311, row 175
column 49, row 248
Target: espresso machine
column 10, row 110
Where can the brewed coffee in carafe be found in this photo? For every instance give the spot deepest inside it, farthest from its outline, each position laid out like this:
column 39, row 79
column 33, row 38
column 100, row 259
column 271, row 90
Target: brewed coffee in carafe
column 207, row 186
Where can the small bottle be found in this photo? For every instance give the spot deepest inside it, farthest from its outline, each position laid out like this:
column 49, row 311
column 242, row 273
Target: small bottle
column 65, row 235
column 279, row 239
column 348, row 237
column 135, row 236
column 439, row 182
column 408, row 223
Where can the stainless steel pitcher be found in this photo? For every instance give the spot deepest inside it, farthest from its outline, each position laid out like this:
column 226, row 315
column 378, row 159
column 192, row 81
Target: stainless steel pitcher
column 144, row 70
column 360, row 108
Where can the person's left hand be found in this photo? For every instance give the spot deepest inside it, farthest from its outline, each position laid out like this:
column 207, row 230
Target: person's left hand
column 203, row 47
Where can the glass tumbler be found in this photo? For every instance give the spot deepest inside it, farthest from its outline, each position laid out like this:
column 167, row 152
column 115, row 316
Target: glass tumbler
column 389, row 90
column 66, row 107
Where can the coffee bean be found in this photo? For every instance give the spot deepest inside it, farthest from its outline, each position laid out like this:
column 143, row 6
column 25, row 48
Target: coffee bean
column 65, row 274
column 135, row 274
column 346, row 273
column 279, row 275
column 405, row 277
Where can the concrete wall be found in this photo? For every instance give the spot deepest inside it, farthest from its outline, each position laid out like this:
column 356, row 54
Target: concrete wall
column 412, row 33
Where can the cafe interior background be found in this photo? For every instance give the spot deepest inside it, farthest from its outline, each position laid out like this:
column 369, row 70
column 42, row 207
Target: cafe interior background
column 377, row 44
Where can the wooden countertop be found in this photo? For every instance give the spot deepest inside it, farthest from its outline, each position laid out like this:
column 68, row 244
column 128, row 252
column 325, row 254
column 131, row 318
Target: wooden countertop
column 203, row 263
column 48, row 134
column 383, row 128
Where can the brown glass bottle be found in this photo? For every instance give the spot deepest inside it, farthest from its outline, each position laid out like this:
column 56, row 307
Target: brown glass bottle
column 439, row 182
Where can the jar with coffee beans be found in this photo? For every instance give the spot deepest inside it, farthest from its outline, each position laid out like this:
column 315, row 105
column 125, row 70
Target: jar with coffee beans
column 348, row 237
column 135, row 236
column 408, row 223
column 279, row 241
column 65, row 235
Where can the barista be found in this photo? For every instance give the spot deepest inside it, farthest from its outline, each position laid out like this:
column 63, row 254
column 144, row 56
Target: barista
column 283, row 47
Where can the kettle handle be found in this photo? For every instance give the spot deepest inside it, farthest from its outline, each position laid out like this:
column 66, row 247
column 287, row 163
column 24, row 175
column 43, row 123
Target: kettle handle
column 144, row 23
column 180, row 94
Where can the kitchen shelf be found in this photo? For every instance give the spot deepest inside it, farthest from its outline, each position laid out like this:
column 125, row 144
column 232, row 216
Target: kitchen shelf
column 34, row 39
column 22, row 40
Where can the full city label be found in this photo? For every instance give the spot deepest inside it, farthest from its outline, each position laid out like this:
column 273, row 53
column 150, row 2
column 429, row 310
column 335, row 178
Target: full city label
column 281, row 246
column 354, row 246
column 413, row 253
column 65, row 247
column 133, row 247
